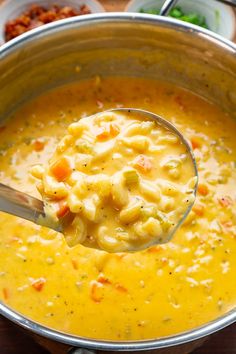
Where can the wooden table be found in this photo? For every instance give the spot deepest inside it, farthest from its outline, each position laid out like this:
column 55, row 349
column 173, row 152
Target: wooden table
column 14, row 341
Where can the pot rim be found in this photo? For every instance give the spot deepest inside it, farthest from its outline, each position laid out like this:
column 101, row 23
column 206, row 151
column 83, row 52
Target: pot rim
column 76, row 341
column 141, row 18
column 96, row 344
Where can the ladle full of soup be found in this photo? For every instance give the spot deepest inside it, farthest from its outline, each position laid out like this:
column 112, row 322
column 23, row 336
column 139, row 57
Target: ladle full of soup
column 120, row 180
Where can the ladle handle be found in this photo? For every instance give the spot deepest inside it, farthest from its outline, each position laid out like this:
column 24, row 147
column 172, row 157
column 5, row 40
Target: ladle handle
column 166, row 7
column 20, row 204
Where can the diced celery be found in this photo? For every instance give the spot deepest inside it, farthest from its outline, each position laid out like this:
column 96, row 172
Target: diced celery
column 83, row 146
column 131, row 177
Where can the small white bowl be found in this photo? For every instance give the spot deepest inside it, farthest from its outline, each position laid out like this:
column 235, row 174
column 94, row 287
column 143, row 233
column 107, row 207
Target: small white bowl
column 219, row 17
column 11, row 9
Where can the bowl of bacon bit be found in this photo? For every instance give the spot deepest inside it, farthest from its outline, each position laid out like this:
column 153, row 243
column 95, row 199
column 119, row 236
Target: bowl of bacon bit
column 18, row 17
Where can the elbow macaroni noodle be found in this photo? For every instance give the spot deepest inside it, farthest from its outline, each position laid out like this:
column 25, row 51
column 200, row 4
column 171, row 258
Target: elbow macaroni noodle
column 126, row 182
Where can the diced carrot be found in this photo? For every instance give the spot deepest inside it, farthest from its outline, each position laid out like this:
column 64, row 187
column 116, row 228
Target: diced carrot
column 103, row 280
column 225, row 201
column 195, row 142
column 61, row 169
column 39, row 284
column 103, row 134
column 143, row 163
column 6, row 293
column 154, row 249
column 63, row 209
column 203, row 189
column 74, row 263
column 121, row 288
column 198, row 209
column 108, row 132
column 114, row 129
column 38, row 145
column 95, row 293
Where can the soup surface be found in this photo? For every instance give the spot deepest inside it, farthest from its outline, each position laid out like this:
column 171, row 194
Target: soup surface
column 160, row 291
column 118, row 182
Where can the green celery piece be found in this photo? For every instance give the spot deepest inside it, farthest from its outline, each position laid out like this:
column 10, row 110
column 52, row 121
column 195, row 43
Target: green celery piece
column 176, row 12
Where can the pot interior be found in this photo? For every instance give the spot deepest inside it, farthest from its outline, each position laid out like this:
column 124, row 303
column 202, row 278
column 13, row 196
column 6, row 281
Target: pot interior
column 96, row 45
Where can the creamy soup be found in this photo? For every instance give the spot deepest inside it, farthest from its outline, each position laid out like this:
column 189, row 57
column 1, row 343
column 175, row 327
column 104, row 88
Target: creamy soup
column 160, row 291
column 118, row 181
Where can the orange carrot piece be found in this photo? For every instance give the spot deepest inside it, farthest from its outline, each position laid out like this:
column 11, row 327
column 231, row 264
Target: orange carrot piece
column 108, row 132
column 102, row 134
column 38, row 145
column 103, row 280
column 196, row 144
column 114, row 130
column 6, row 293
column 38, row 284
column 63, row 209
column 143, row 163
column 203, row 189
column 61, row 169
column 198, row 209
column 74, row 263
column 154, row 249
column 95, row 293
column 225, row 201
column 121, row 288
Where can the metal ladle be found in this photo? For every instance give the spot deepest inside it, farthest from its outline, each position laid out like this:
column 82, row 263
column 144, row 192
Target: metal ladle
column 23, row 205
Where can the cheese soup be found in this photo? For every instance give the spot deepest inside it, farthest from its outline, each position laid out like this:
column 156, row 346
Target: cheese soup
column 156, row 292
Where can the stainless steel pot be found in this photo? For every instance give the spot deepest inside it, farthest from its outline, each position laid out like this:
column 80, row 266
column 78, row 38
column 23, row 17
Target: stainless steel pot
column 119, row 44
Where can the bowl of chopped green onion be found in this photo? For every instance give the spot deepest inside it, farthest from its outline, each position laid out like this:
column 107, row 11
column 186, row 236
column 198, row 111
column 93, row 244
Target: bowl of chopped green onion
column 209, row 14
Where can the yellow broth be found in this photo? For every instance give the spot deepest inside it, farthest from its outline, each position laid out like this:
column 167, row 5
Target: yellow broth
column 161, row 291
